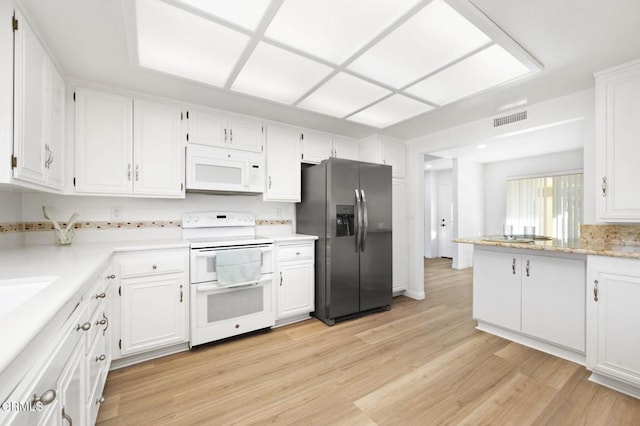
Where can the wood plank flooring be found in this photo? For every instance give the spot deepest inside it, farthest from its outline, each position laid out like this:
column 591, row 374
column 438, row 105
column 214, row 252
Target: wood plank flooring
column 421, row 363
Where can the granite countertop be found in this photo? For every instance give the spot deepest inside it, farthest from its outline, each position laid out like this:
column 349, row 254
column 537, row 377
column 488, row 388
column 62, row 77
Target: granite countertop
column 578, row 247
column 73, row 267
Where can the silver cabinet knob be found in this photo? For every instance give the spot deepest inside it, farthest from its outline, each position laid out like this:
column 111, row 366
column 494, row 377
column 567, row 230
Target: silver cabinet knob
column 155, row 267
column 101, row 358
column 111, row 277
column 101, row 322
column 84, row 327
column 46, row 398
column 101, row 295
column 100, row 401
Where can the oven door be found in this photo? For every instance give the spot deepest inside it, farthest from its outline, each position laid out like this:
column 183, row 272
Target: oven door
column 218, row 313
column 203, row 262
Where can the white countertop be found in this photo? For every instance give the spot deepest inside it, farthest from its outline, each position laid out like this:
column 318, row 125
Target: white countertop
column 74, row 266
column 293, row 237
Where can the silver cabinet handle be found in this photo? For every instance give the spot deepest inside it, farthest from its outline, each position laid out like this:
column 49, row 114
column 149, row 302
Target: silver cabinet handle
column 181, row 293
column 106, row 320
column 101, row 322
column 604, row 186
column 527, row 267
column 129, row 172
column 225, row 135
column 84, row 327
column 137, row 172
column 111, row 277
column 513, row 266
column 45, row 399
column 101, row 295
column 101, row 358
column 100, row 401
column 154, row 267
column 280, row 278
column 230, row 135
column 67, row 417
column 595, row 290
column 269, row 182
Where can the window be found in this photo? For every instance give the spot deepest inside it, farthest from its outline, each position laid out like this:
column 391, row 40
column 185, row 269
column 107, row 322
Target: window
column 553, row 204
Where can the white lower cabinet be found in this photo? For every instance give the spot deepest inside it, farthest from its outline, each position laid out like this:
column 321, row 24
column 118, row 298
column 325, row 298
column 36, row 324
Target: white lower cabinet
column 154, row 291
column 538, row 297
column 295, row 281
column 613, row 323
column 59, row 388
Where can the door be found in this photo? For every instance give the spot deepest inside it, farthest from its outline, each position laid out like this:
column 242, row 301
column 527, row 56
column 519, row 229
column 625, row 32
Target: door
column 55, row 128
column 283, row 164
column 376, row 271
column 315, row 147
column 445, row 207
column 245, row 134
column 207, row 128
column 72, row 387
column 159, row 152
column 345, row 148
column 104, row 142
column 342, row 291
column 295, row 292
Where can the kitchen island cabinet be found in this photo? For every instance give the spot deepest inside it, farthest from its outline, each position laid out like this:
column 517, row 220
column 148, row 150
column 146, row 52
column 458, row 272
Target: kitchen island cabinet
column 537, row 300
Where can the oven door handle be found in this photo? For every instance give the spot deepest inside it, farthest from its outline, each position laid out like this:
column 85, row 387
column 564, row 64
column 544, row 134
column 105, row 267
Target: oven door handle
column 204, row 287
column 212, row 253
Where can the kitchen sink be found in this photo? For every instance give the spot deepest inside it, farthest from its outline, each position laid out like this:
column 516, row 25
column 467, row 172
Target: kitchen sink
column 14, row 292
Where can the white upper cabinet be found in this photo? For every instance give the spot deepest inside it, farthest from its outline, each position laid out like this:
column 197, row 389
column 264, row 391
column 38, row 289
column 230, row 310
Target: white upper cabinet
column 318, row 146
column 213, row 128
column 384, row 150
column 104, row 143
column 617, row 147
column 117, row 154
column 38, row 111
column 283, row 164
column 158, row 152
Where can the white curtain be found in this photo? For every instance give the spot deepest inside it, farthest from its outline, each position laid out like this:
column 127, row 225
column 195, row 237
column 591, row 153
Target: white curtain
column 552, row 204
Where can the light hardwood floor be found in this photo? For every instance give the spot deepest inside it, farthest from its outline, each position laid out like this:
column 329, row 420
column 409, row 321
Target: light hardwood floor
column 421, row 363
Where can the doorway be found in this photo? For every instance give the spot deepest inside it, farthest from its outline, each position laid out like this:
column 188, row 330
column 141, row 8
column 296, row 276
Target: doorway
column 445, row 220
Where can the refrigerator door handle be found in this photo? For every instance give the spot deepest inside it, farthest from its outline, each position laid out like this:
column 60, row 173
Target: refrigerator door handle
column 358, row 220
column 365, row 221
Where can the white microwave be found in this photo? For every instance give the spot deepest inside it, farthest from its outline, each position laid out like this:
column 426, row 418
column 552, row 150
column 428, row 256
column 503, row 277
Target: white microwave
column 224, row 170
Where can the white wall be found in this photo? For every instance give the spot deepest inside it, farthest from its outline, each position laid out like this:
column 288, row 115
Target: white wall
column 579, row 105
column 496, row 175
column 468, row 208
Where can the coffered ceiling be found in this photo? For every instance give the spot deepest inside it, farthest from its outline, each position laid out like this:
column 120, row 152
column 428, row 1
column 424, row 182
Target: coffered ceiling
column 404, row 68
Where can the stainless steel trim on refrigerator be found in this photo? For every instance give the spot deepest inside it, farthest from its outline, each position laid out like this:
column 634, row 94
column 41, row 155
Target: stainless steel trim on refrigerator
column 365, row 221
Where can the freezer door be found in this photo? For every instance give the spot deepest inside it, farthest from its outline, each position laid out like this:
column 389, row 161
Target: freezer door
column 375, row 256
column 342, row 290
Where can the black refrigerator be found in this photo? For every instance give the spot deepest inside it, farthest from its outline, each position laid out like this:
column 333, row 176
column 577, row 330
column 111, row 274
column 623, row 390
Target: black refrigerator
column 347, row 204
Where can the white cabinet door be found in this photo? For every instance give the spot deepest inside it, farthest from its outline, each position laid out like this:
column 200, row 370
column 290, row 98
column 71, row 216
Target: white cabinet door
column 158, row 150
column 398, row 190
column 553, row 300
column 104, row 142
column 31, row 67
column 72, row 387
column 296, row 291
column 617, row 129
column 393, row 155
column 153, row 312
column 245, row 134
column 496, row 288
column 316, row 146
column 207, row 127
column 345, row 148
column 55, row 148
column 613, row 325
column 283, row 164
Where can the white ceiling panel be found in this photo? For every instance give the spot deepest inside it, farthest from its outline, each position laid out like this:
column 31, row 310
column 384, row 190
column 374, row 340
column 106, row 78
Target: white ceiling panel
column 431, row 39
column 484, row 70
column 245, row 13
column 389, row 111
column 333, row 29
column 278, row 74
column 177, row 42
column 342, row 95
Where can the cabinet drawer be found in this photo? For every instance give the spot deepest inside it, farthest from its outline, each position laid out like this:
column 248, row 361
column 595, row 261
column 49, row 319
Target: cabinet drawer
column 152, row 266
column 96, row 362
column 295, row 252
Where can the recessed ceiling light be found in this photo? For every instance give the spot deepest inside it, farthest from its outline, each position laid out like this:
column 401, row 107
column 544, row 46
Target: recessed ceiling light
column 482, row 146
column 245, row 13
column 433, row 38
column 389, row 111
column 428, row 166
column 193, row 48
column 485, row 69
column 333, row 29
column 278, row 74
column 342, row 95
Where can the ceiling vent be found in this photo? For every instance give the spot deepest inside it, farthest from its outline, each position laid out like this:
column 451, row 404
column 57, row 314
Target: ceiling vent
column 511, row 118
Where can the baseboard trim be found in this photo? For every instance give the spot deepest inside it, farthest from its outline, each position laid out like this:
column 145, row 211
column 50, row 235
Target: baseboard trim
column 615, row 384
column 147, row 356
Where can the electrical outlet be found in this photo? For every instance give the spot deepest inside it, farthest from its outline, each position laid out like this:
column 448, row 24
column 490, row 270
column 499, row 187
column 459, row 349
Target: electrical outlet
column 116, row 213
